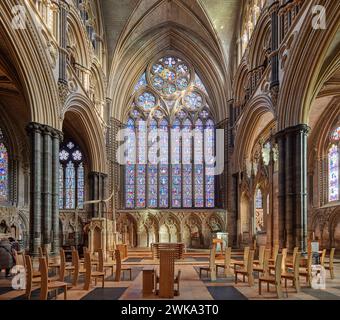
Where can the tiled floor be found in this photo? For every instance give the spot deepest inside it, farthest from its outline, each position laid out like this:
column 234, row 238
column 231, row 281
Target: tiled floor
column 191, row 287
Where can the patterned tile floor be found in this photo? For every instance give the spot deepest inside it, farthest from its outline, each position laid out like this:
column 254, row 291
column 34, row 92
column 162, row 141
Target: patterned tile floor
column 191, row 287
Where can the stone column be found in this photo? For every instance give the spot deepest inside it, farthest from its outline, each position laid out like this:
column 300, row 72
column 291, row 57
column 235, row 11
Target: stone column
column 301, row 172
column 94, row 192
column 293, row 186
column 280, row 218
column 47, row 186
column 273, row 10
column 56, row 139
column 35, row 133
column 63, row 13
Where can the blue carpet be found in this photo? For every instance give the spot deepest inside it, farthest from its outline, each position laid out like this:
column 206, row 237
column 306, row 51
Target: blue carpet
column 135, row 272
column 133, row 260
column 35, row 295
column 4, row 290
column 220, row 277
column 105, row 294
column 201, row 259
column 226, row 293
column 320, row 294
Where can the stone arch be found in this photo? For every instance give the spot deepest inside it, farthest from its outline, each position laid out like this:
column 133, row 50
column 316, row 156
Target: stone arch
column 32, row 66
column 192, row 233
column 147, row 230
column 302, row 80
column 132, row 61
column 169, row 228
column 257, row 116
column 81, row 111
column 127, row 229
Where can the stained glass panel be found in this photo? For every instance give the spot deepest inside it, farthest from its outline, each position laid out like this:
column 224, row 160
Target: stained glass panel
column 187, row 165
column 130, row 167
column 141, row 82
column 146, row 101
column 193, row 100
column 199, row 169
column 71, row 177
column 199, row 84
column 70, row 186
column 164, row 164
column 80, row 189
column 259, row 200
column 61, row 187
column 336, row 134
column 209, row 149
column 141, row 166
column 333, row 169
column 176, row 168
column 3, row 173
column 153, row 167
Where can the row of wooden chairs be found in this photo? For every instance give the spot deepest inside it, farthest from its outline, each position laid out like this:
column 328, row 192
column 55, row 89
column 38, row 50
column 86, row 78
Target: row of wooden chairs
column 77, row 268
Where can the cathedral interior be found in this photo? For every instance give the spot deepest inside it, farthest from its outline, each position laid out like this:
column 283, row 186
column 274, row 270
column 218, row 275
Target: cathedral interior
column 240, row 100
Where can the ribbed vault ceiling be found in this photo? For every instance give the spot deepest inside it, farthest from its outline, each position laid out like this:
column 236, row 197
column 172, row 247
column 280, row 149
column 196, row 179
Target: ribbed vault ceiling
column 213, row 20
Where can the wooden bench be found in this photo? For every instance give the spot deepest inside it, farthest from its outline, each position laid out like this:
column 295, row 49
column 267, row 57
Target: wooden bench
column 177, row 247
column 123, row 250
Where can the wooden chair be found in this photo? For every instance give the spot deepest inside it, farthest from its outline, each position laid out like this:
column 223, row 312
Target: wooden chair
column 248, row 270
column 120, row 268
column 307, row 271
column 212, row 265
column 51, row 265
column 92, row 274
column 176, row 282
column 330, row 265
column 166, row 279
column 284, row 256
column 261, row 256
column 78, row 268
column 30, row 280
column 264, row 267
column 290, row 261
column 46, row 285
column 273, row 279
column 275, row 253
column 226, row 265
column 323, row 256
column 64, row 267
column 106, row 264
column 41, row 253
column 243, row 263
column 293, row 276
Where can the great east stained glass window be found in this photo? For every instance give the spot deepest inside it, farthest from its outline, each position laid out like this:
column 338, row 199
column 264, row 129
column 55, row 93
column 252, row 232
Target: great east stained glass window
column 71, row 177
column 334, row 166
column 170, row 132
column 4, row 185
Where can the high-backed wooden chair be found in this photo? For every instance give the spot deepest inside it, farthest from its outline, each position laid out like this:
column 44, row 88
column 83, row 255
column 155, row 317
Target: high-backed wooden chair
column 120, row 268
column 259, row 262
column 293, row 276
column 166, row 273
column 30, row 280
column 263, row 268
column 290, row 261
column 46, row 286
column 78, row 268
column 226, row 265
column 284, row 256
column 273, row 279
column 106, row 264
column 323, row 256
column 176, row 282
column 274, row 254
column 242, row 264
column 330, row 265
column 41, row 252
column 212, row 264
column 307, row 271
column 247, row 271
column 92, row 274
column 51, row 265
column 64, row 267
